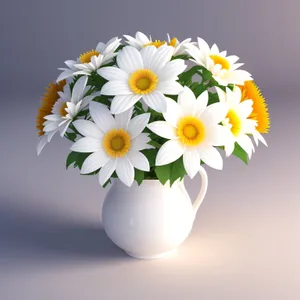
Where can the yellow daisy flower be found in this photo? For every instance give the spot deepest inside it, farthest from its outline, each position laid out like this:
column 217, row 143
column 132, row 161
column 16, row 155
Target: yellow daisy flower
column 50, row 98
column 260, row 110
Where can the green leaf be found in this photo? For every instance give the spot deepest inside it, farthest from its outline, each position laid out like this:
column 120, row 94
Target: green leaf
column 81, row 158
column 72, row 157
column 102, row 99
column 139, row 176
column 206, row 75
column 151, row 155
column 182, row 56
column 71, row 136
column 186, row 77
column 198, row 88
column 171, row 171
column 76, row 158
column 96, row 80
column 230, row 86
column 106, row 183
column 240, row 153
column 177, row 170
column 155, row 144
column 163, row 173
column 213, row 98
column 83, row 113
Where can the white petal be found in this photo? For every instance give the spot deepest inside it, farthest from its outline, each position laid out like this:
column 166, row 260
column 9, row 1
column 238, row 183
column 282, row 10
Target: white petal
column 51, row 126
column 64, row 128
column 217, row 135
column 130, row 59
column 169, row 87
column 172, row 69
column 88, row 129
column 169, row 152
column 86, row 145
column 211, row 157
column 139, row 160
column 221, row 94
column 70, row 63
column 173, row 113
column 122, row 103
column 194, row 52
column 260, row 137
column 214, row 113
column 123, row 119
column 187, row 101
column 53, row 117
column 50, row 135
column 148, row 54
column 229, row 146
column 191, row 161
column 112, row 88
column 246, row 108
column 163, row 129
column 162, row 56
column 215, row 49
column 125, row 170
column 142, row 37
column 201, row 103
column 138, row 124
column 106, row 171
column 132, row 41
column 157, row 101
column 94, row 161
column 141, row 142
column 87, row 100
column 102, row 117
column 245, row 142
column 203, row 46
column 113, row 73
column 78, row 89
column 64, row 75
column 232, row 59
column 100, row 47
column 41, row 144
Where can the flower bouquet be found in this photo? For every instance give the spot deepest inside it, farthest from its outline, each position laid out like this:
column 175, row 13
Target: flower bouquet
column 144, row 109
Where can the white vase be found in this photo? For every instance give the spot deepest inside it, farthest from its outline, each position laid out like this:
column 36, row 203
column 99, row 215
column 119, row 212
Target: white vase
column 151, row 220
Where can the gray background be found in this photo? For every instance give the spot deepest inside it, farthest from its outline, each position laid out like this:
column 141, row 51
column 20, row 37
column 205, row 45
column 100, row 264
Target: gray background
column 245, row 243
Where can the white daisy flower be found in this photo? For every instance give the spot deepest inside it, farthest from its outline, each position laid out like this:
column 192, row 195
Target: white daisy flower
column 192, row 129
column 223, row 67
column 237, row 120
column 257, row 137
column 147, row 74
column 67, row 108
column 141, row 40
column 91, row 61
column 115, row 143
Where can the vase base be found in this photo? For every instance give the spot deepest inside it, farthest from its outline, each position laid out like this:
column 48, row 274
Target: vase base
column 151, row 257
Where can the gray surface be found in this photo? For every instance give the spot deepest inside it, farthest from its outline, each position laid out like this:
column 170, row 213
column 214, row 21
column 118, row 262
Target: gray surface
column 245, row 243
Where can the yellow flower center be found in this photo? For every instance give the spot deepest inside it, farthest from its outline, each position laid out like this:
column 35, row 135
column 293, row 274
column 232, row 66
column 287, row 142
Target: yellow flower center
column 86, row 57
column 191, row 131
column 219, row 60
column 156, row 43
column 260, row 110
column 62, row 110
column 117, row 143
column 173, row 42
column 234, row 122
column 143, row 81
column 48, row 101
column 159, row 43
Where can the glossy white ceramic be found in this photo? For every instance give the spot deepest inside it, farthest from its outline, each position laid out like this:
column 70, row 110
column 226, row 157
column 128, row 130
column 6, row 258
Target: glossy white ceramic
column 151, row 220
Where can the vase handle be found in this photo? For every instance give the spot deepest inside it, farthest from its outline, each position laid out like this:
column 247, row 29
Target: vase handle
column 203, row 190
